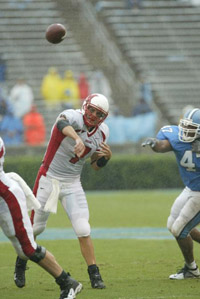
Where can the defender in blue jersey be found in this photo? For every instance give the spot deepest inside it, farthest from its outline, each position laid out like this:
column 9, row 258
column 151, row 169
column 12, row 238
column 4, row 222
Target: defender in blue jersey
column 184, row 141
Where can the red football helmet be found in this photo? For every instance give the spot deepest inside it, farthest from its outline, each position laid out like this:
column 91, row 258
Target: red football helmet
column 95, row 109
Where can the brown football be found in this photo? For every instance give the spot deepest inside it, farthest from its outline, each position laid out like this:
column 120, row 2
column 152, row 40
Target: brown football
column 55, row 33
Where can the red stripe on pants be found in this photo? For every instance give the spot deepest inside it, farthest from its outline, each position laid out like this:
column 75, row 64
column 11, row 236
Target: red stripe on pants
column 15, row 211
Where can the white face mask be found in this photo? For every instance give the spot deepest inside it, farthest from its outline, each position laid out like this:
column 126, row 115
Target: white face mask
column 188, row 131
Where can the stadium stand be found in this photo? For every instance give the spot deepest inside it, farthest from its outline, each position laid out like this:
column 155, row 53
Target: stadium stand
column 26, row 52
column 23, row 43
column 161, row 40
column 28, row 55
column 101, row 51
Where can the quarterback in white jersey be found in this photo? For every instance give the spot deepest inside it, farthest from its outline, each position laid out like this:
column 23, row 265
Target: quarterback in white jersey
column 60, row 160
column 15, row 198
column 76, row 136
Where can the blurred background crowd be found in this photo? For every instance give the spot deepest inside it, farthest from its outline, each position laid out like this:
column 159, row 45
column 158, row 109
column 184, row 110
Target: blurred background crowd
column 22, row 123
column 143, row 55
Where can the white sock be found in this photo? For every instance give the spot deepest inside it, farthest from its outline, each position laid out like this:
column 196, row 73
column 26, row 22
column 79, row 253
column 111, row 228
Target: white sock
column 192, row 265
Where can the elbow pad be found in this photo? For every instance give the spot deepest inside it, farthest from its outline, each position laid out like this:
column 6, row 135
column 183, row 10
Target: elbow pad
column 62, row 123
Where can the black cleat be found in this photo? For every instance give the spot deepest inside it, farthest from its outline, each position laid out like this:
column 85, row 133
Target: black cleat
column 19, row 275
column 95, row 278
column 71, row 288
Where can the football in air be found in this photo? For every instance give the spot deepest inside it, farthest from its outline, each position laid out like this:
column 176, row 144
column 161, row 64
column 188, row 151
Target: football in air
column 56, row 33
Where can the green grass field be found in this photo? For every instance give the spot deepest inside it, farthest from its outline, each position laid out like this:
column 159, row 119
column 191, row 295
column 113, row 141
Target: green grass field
column 130, row 268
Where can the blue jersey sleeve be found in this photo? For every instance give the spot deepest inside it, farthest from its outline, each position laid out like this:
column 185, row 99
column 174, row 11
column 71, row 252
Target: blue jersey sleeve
column 169, row 133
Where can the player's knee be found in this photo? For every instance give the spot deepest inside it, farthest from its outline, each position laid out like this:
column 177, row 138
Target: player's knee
column 38, row 255
column 174, row 231
column 81, row 227
column 39, row 221
column 170, row 222
column 178, row 230
column 38, row 228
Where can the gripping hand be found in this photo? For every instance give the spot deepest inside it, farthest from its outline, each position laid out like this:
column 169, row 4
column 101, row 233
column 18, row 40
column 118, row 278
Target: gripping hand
column 196, row 146
column 149, row 141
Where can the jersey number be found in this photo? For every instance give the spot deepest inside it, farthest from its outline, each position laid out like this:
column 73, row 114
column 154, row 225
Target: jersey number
column 167, row 129
column 75, row 159
column 186, row 161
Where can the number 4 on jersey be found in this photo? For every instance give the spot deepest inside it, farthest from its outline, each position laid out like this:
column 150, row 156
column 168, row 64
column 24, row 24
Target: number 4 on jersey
column 186, row 161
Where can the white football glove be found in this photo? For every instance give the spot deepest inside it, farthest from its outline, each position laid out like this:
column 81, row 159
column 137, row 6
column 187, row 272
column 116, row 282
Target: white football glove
column 149, row 141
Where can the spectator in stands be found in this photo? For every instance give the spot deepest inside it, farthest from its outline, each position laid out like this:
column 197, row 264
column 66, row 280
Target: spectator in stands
column 11, row 127
column 2, row 69
column 145, row 89
column 21, row 98
column 34, row 128
column 98, row 6
column 3, row 91
column 51, row 87
column 3, row 107
column 141, row 107
column 70, row 91
column 84, row 88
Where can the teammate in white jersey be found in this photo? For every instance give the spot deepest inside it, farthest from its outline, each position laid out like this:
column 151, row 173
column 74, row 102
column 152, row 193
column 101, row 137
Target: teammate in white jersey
column 76, row 136
column 184, row 141
column 15, row 196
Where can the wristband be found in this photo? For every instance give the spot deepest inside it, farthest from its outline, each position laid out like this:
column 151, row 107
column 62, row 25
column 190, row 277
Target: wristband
column 102, row 162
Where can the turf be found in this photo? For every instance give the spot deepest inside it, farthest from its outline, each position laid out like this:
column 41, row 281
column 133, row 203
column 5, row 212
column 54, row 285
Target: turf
column 130, row 268
column 124, row 209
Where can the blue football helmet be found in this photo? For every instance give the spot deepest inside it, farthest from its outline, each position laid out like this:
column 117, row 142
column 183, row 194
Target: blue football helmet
column 189, row 126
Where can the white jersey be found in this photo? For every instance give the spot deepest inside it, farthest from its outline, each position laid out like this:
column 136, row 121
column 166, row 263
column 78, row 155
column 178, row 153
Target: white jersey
column 60, row 161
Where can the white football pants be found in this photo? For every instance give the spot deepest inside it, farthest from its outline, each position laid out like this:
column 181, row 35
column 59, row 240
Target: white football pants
column 73, row 200
column 185, row 213
column 14, row 218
